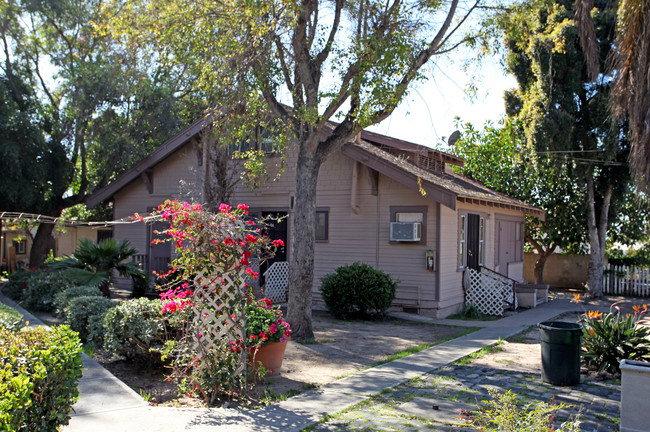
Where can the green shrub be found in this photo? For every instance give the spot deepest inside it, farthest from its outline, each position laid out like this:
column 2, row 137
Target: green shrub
column 42, row 286
column 134, row 327
column 10, row 318
column 39, row 374
column 85, row 315
column 501, row 414
column 62, row 299
column 357, row 290
column 17, row 284
column 609, row 338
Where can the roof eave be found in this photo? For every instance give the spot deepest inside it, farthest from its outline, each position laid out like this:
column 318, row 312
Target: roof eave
column 529, row 210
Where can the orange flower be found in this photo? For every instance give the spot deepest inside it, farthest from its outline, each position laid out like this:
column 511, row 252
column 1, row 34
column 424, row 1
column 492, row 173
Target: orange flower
column 636, row 308
column 594, row 314
column 576, row 298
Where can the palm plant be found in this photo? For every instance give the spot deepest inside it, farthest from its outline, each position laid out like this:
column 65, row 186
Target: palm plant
column 93, row 263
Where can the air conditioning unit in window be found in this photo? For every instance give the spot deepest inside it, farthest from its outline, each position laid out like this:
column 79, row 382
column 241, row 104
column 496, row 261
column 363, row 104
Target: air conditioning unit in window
column 405, row 231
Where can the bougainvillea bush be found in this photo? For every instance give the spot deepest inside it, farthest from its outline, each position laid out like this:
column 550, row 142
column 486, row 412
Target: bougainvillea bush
column 215, row 253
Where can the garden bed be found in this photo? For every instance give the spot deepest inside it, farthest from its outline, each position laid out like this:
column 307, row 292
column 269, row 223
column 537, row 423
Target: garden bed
column 340, row 348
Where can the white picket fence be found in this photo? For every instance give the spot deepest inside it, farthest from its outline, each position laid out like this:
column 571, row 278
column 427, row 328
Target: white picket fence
column 626, row 280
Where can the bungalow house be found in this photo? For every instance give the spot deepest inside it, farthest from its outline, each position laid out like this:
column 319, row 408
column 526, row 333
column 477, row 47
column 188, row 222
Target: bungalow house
column 393, row 204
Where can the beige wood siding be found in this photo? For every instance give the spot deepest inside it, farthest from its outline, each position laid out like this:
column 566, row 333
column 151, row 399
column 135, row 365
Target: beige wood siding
column 358, row 237
column 177, row 177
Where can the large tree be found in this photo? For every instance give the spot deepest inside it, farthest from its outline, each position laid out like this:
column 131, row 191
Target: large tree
column 93, row 109
column 299, row 64
column 565, row 111
column 629, row 68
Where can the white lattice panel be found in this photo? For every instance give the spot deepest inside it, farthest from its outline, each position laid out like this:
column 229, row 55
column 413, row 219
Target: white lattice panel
column 276, row 281
column 509, row 297
column 483, row 292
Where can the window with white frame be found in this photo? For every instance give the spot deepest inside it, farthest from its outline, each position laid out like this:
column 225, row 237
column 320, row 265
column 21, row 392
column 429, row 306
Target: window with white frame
column 481, row 241
column 461, row 241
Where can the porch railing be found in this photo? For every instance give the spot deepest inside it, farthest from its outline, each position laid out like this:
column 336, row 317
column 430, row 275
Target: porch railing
column 490, row 292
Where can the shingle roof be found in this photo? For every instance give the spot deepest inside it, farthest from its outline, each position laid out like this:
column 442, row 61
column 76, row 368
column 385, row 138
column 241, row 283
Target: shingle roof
column 456, row 186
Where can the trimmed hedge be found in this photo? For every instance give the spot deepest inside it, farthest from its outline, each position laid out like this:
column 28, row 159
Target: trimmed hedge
column 10, row 318
column 134, row 327
column 358, row 291
column 42, row 286
column 85, row 315
column 62, row 299
column 39, row 375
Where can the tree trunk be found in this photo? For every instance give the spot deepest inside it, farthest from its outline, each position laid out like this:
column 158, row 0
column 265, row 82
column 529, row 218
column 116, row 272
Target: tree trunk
column 539, row 265
column 42, row 238
column 597, row 238
column 303, row 233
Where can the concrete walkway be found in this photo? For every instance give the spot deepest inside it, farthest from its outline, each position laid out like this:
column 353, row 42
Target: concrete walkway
column 109, row 405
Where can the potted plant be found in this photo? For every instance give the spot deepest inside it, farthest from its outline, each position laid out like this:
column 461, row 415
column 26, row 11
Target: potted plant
column 267, row 334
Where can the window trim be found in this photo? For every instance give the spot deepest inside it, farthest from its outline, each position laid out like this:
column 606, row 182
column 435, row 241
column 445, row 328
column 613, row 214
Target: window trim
column 410, row 209
column 326, row 211
column 20, row 246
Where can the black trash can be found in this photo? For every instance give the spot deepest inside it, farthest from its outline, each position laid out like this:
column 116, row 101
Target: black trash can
column 560, row 352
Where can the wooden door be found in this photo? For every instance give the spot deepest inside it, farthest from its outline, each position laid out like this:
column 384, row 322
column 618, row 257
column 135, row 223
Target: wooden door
column 473, row 221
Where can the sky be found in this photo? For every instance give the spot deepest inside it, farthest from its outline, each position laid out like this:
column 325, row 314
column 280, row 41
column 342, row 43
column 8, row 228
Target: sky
column 426, row 116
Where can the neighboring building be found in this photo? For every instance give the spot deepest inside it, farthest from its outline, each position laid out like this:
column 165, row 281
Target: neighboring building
column 363, row 190
column 16, row 243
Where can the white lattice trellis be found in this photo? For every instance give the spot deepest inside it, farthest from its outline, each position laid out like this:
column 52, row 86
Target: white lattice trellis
column 486, row 293
column 218, row 316
column 277, row 279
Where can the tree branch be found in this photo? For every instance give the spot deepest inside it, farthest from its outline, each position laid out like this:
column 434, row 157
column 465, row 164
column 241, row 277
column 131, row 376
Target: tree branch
column 283, row 63
column 325, row 52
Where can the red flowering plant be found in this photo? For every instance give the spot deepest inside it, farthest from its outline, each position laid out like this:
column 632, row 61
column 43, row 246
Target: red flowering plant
column 215, row 253
column 264, row 323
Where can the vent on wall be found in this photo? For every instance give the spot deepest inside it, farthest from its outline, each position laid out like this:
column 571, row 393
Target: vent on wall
column 405, row 231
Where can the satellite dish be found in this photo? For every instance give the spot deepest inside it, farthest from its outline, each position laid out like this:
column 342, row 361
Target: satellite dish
column 453, row 138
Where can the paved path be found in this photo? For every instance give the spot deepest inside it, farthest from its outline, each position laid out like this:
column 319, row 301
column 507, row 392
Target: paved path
column 108, row 405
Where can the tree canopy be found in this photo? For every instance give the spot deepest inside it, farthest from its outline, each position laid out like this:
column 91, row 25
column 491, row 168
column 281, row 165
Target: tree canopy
column 564, row 111
column 78, row 110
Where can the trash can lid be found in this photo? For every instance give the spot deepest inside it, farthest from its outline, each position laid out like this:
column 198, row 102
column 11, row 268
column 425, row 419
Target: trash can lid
column 560, row 326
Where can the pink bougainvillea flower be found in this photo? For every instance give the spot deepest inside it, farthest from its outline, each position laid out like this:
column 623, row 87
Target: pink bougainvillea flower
column 253, row 273
column 273, row 328
column 277, row 243
column 224, row 208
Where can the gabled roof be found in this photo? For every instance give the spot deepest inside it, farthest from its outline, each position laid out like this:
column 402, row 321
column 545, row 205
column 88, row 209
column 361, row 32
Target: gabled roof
column 162, row 152
column 446, row 188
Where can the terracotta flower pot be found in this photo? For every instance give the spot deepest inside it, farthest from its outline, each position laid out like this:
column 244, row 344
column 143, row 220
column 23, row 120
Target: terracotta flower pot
column 270, row 356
